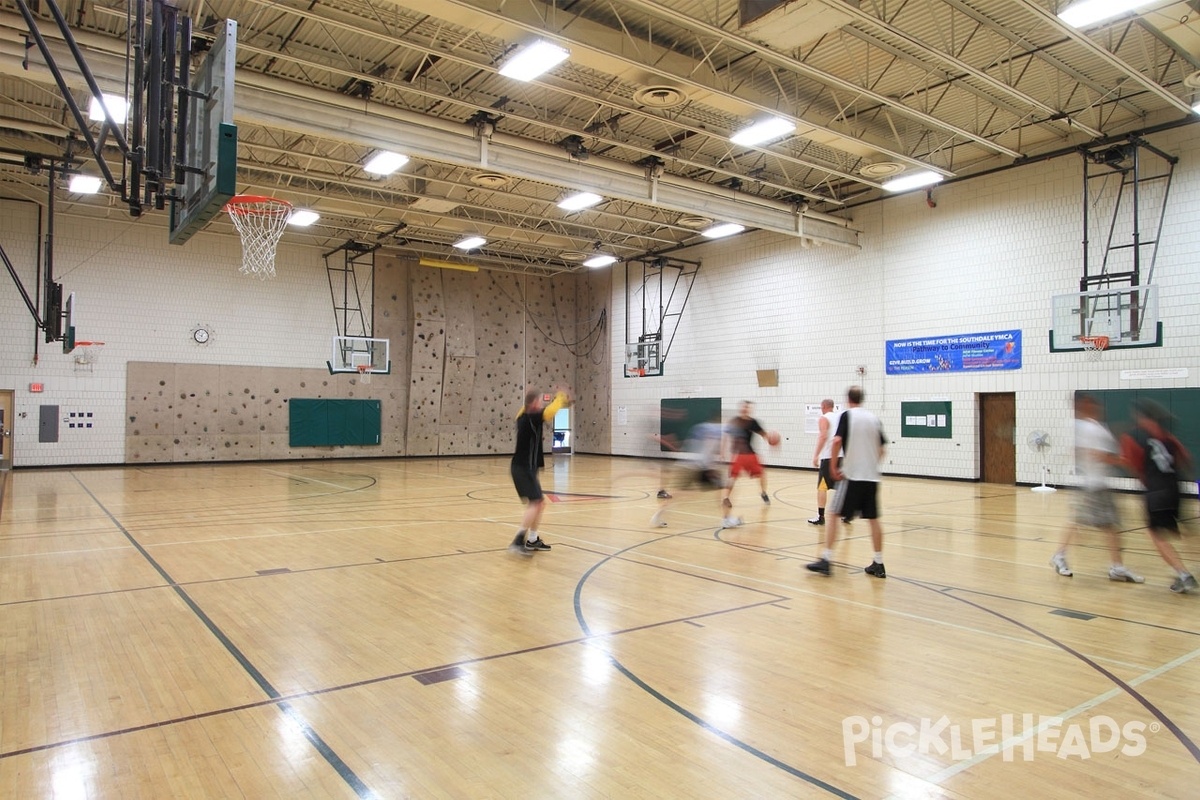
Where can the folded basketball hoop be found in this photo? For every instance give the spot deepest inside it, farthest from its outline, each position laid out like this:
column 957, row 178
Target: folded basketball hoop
column 1094, row 346
column 260, row 222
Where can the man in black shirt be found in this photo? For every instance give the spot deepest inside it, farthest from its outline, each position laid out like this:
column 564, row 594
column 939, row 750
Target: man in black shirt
column 527, row 459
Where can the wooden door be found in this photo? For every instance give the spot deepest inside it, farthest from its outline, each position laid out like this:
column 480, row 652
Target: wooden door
column 997, row 442
column 6, row 424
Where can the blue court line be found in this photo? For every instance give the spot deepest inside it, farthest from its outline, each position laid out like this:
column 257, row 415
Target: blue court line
column 659, row 696
column 1125, row 687
column 332, row 758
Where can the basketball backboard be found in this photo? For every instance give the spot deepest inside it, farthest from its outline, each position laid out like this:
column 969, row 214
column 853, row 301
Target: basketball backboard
column 209, row 176
column 1126, row 315
column 352, row 352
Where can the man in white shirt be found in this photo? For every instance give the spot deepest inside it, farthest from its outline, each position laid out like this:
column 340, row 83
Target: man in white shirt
column 860, row 438
column 1096, row 453
column 826, row 427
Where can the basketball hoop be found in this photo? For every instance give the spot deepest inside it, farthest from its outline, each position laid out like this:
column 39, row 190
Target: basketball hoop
column 364, row 374
column 260, row 222
column 1094, row 346
column 85, row 354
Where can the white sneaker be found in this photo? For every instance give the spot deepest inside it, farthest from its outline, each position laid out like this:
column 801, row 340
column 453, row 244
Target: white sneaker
column 731, row 522
column 1059, row 562
column 1123, row 573
column 657, row 521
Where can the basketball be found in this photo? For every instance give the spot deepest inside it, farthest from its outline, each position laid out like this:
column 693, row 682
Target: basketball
column 774, row 439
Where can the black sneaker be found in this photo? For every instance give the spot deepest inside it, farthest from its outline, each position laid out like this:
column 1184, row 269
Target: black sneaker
column 817, row 521
column 518, row 543
column 847, row 520
column 766, row 498
column 875, row 569
column 821, row 565
column 663, row 494
column 535, row 545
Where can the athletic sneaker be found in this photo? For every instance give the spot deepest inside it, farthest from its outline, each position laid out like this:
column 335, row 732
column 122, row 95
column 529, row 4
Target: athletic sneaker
column 817, row 521
column 657, row 521
column 1124, row 574
column 731, row 522
column 1183, row 585
column 875, row 569
column 1059, row 562
column 847, row 520
column 535, row 545
column 663, row 494
column 821, row 566
column 766, row 498
column 518, row 543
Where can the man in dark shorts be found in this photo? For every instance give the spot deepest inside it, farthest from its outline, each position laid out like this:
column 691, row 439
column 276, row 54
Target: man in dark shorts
column 826, row 426
column 742, row 456
column 527, row 459
column 1156, row 457
column 860, row 436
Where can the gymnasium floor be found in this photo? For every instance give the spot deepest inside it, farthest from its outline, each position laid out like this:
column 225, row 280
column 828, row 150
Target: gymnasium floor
column 358, row 628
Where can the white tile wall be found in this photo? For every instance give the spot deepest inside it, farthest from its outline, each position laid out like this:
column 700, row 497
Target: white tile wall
column 142, row 297
column 988, row 257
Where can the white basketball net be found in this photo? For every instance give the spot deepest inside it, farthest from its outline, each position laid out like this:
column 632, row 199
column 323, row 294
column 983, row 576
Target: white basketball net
column 364, row 373
column 1094, row 347
column 260, row 222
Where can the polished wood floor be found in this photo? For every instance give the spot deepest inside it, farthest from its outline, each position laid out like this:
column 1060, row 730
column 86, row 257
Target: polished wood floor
column 359, row 629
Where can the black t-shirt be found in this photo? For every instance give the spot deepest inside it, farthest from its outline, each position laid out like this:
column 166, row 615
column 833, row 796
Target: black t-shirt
column 740, row 430
column 528, row 454
column 1160, row 459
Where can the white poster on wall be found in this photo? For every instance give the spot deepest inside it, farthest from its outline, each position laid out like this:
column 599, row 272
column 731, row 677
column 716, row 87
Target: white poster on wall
column 622, row 415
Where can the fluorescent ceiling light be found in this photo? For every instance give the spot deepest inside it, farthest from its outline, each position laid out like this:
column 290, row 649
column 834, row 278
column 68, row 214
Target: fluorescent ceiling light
column 582, row 200
column 1080, row 15
column 600, row 261
column 303, row 217
column 385, row 162
column 84, row 184
column 534, row 59
column 117, row 107
column 764, row 131
column 722, row 230
column 913, row 180
column 470, row 243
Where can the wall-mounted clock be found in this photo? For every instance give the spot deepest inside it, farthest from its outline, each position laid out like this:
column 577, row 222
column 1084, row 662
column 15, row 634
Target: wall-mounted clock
column 201, row 334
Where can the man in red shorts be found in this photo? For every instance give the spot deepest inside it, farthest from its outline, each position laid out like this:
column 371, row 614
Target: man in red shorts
column 739, row 450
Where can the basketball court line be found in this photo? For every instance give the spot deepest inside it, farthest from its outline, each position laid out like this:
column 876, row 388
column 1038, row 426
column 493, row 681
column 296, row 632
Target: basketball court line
column 793, row 590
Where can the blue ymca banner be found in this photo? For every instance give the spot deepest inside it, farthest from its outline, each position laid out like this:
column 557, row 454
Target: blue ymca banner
column 960, row 353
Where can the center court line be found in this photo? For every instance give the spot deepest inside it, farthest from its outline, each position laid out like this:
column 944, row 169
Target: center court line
column 1087, row 705
column 792, row 589
column 307, row 479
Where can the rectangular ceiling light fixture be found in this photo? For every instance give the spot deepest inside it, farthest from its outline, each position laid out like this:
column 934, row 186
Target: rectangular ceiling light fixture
column 303, row 217
column 385, row 162
column 118, row 108
column 534, row 59
column 470, row 243
column 602, row 260
column 914, row 180
column 764, row 131
column 84, row 184
column 579, row 201
column 1089, row 12
column 722, row 230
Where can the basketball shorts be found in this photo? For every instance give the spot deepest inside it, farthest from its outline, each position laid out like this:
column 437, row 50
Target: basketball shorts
column 1096, row 507
column 855, row 498
column 825, row 476
column 527, row 484
column 745, row 462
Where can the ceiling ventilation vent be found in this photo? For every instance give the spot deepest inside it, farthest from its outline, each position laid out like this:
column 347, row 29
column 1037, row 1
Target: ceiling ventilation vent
column 659, row 96
column 1192, row 81
column 882, row 169
column 490, row 180
column 574, row 256
column 695, row 221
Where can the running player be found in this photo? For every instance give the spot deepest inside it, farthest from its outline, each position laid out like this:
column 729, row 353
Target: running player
column 738, row 434
column 527, row 459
